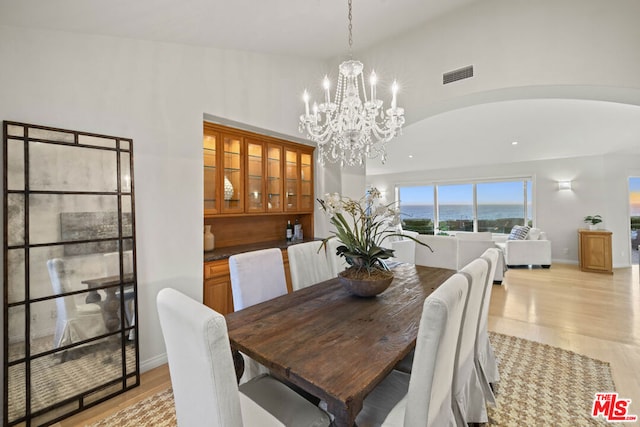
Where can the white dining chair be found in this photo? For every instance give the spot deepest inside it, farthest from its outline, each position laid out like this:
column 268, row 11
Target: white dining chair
column 424, row 397
column 74, row 321
column 308, row 264
column 468, row 395
column 337, row 263
column 486, row 363
column 203, row 376
column 256, row 277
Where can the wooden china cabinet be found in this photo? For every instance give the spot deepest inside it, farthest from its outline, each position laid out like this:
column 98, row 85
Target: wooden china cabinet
column 253, row 185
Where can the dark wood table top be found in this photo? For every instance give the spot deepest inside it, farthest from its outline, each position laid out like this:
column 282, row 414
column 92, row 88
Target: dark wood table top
column 108, row 281
column 335, row 346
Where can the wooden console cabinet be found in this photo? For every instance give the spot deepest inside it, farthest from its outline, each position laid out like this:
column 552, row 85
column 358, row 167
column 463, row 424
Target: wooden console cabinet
column 594, row 248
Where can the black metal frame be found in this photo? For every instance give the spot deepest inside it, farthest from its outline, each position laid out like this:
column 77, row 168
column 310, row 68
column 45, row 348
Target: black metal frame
column 123, row 330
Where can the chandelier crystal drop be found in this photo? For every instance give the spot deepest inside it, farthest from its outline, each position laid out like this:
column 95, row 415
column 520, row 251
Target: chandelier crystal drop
column 352, row 128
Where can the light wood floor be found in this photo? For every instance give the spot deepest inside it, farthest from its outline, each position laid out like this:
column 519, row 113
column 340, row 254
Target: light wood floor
column 593, row 314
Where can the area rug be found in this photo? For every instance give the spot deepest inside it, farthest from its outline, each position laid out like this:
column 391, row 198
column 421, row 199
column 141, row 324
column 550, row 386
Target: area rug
column 540, row 385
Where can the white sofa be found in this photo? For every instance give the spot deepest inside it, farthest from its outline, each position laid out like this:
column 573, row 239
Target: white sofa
column 534, row 250
column 453, row 252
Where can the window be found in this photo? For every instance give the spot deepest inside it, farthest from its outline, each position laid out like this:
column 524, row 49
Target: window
column 501, row 205
column 455, row 207
column 416, row 208
column 494, row 206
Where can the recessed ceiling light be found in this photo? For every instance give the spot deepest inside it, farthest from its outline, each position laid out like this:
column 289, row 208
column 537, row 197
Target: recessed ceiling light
column 411, row 156
column 514, row 143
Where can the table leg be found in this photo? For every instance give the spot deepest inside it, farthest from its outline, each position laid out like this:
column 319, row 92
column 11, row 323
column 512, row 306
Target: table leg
column 238, row 363
column 93, row 297
column 110, row 309
column 345, row 416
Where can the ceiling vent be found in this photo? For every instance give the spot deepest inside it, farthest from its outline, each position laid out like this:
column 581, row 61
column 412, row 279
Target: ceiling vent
column 459, row 74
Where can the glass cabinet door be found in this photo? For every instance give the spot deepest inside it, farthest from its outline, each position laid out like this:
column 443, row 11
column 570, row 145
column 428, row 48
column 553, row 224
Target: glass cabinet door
column 274, row 178
column 306, row 182
column 255, row 174
column 291, row 180
column 233, row 187
column 210, row 172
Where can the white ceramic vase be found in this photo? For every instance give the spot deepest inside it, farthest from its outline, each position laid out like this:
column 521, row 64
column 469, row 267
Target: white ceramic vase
column 209, row 239
column 228, row 189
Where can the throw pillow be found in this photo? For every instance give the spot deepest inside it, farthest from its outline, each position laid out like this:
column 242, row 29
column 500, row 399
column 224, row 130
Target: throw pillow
column 519, row 232
column 534, row 234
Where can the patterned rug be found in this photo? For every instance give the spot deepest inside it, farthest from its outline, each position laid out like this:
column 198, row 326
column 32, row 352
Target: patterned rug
column 540, row 385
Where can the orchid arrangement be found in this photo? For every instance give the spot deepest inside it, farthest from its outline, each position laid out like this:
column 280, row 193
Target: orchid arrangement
column 367, row 224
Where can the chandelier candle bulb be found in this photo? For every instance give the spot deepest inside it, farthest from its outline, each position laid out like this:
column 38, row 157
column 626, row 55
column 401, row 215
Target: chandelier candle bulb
column 373, row 80
column 327, row 85
column 305, row 97
column 394, row 91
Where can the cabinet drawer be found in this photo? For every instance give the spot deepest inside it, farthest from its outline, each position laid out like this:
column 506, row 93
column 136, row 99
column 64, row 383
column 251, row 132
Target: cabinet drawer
column 216, row 268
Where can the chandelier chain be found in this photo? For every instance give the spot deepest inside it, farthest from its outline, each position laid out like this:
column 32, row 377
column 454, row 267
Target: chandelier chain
column 350, row 30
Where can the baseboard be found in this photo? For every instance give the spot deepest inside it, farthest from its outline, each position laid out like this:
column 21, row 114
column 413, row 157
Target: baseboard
column 564, row 261
column 574, row 262
column 154, row 362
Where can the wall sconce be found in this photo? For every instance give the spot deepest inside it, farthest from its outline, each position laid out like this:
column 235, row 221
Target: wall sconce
column 564, row 185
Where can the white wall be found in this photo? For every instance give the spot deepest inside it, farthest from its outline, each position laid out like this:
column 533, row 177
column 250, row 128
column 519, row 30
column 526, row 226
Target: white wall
column 156, row 94
column 599, row 186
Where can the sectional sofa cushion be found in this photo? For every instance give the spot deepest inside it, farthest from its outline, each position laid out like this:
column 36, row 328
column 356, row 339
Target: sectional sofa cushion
column 470, row 235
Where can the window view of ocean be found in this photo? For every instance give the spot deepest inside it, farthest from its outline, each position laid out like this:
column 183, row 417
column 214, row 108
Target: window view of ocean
column 454, row 212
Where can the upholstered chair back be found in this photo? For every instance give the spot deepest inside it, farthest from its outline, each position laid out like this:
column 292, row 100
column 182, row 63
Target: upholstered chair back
column 200, row 363
column 256, row 277
column 470, row 406
column 74, row 321
column 308, row 264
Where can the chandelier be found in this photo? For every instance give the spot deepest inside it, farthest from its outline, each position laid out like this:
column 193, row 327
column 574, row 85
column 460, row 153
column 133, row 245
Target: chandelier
column 352, row 127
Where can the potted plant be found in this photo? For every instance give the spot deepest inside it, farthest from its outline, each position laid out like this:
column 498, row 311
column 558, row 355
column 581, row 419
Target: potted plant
column 368, row 224
column 593, row 221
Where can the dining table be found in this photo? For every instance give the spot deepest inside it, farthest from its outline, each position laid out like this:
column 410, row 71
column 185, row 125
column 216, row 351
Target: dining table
column 111, row 304
column 332, row 345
